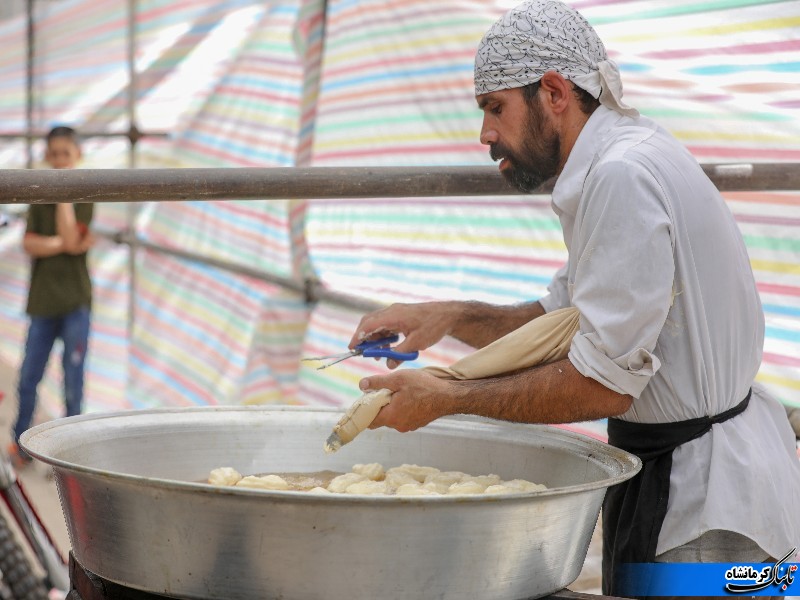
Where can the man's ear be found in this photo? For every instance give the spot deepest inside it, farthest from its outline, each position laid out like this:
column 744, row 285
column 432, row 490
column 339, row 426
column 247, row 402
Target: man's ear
column 556, row 91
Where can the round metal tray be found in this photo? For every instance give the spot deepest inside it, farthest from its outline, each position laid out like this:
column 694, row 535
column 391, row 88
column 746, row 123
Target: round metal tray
column 138, row 515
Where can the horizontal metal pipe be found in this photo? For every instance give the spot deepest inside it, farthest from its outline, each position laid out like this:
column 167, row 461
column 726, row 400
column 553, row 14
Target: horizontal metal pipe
column 40, row 135
column 137, row 185
column 311, row 289
column 22, row 186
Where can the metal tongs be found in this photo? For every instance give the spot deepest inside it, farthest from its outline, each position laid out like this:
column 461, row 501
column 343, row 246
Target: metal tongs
column 380, row 348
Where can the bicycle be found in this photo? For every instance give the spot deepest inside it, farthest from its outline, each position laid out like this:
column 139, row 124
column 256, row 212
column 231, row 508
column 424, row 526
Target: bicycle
column 18, row 574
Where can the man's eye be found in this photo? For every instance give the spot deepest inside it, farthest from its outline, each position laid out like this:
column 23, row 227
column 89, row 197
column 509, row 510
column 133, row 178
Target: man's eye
column 495, row 110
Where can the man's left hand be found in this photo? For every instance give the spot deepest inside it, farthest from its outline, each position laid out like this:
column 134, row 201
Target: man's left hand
column 417, row 399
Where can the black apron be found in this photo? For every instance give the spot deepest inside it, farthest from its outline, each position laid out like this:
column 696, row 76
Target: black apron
column 634, row 510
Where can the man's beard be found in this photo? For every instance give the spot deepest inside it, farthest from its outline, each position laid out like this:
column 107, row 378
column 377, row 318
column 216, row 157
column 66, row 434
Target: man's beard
column 537, row 161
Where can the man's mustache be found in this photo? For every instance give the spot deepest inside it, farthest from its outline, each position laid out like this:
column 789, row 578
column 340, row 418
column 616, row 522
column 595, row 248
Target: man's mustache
column 497, row 151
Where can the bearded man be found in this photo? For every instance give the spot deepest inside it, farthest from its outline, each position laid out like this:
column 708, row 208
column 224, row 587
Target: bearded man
column 671, row 327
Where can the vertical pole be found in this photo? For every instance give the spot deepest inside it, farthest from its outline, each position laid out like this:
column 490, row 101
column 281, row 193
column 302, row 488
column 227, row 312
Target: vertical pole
column 132, row 139
column 132, row 129
column 29, row 89
column 312, row 25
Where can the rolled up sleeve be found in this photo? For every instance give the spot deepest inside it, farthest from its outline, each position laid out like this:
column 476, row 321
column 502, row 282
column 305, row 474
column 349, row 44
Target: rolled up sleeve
column 623, row 281
column 557, row 296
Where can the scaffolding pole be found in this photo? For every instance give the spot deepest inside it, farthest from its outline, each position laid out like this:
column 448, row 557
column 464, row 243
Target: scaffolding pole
column 21, row 186
column 29, row 88
column 133, row 139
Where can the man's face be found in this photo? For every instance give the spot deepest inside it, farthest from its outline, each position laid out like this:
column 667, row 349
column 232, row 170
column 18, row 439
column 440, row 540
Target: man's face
column 62, row 153
column 521, row 136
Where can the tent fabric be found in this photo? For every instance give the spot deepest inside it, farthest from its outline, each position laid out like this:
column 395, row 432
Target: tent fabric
column 245, row 83
column 205, row 336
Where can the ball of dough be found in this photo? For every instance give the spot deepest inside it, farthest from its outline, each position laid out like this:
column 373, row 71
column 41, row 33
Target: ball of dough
column 417, row 472
column 267, row 482
column 318, row 490
column 447, row 478
column 368, row 487
column 372, row 471
column 395, row 478
column 521, row 485
column 414, row 489
column 340, row 483
column 500, row 489
column 468, row 486
column 224, row 476
column 487, row 480
column 436, row 486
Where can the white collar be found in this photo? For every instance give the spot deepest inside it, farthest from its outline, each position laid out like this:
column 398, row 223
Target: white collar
column 569, row 185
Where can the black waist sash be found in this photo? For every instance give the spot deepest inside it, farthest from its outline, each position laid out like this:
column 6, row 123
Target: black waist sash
column 633, row 511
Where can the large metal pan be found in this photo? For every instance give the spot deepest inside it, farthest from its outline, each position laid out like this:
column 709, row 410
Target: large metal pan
column 138, row 515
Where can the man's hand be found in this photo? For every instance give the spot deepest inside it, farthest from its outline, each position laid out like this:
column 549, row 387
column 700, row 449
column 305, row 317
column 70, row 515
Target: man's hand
column 417, row 399
column 553, row 393
column 84, row 244
column 474, row 323
column 422, row 325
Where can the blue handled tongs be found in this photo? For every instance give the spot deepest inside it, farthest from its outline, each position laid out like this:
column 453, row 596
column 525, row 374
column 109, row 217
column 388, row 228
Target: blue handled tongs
column 371, row 349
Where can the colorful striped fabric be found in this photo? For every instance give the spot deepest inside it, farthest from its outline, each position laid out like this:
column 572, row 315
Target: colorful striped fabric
column 372, row 82
column 770, row 224
column 723, row 76
column 205, row 336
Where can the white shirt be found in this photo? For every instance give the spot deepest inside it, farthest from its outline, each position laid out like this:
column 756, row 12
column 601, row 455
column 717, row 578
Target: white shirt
column 670, row 314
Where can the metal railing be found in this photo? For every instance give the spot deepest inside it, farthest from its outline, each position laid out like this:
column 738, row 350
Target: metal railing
column 22, row 186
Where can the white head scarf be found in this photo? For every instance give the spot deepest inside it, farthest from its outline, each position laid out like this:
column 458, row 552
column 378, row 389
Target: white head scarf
column 546, row 35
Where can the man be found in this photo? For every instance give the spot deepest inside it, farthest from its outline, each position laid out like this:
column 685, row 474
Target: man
column 671, row 326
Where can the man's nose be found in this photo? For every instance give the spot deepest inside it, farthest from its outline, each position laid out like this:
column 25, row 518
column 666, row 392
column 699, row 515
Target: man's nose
column 488, row 134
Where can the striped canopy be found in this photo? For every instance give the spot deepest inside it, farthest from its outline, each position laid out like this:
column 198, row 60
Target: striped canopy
column 368, row 82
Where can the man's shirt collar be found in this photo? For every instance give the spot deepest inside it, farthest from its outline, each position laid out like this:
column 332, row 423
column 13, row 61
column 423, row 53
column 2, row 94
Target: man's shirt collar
column 569, row 185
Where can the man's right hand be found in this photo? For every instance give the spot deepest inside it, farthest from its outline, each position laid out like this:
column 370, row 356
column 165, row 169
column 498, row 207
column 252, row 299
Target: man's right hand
column 86, row 242
column 422, row 325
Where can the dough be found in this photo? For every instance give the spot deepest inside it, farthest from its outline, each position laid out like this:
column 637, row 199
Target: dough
column 224, row 476
column 396, row 477
column 368, row 487
column 436, row 486
column 500, row 489
column 446, row 477
column 417, row 472
column 267, row 482
column 414, row 489
column 340, row 484
column 372, row 471
column 466, row 487
column 520, row 485
column 371, row 479
column 484, row 480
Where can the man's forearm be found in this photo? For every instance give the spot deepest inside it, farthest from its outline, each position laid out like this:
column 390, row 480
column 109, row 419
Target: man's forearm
column 42, row 246
column 479, row 324
column 67, row 226
column 553, row 393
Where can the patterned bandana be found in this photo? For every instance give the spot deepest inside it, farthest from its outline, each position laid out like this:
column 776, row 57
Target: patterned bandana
column 545, row 35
